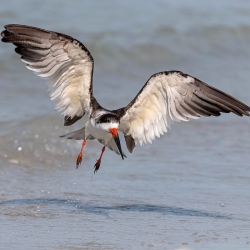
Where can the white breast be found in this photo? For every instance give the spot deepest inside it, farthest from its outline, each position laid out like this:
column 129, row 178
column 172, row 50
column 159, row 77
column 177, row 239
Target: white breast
column 99, row 132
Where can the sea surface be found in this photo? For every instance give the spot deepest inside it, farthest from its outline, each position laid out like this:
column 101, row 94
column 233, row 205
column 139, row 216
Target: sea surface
column 189, row 190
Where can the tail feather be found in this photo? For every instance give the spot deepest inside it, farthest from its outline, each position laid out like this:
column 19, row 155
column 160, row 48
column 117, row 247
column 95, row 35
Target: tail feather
column 76, row 135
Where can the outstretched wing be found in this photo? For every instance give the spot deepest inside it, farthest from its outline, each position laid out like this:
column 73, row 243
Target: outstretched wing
column 62, row 60
column 169, row 97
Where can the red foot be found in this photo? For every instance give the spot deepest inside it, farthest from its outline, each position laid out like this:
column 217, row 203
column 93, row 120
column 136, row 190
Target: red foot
column 79, row 160
column 79, row 157
column 97, row 165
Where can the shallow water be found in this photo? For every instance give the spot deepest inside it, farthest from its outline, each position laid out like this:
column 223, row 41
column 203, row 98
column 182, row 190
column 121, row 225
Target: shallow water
column 188, row 190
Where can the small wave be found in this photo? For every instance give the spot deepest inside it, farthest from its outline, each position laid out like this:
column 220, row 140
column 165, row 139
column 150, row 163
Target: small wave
column 36, row 142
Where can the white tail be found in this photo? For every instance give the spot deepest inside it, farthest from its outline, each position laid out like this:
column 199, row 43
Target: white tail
column 76, row 135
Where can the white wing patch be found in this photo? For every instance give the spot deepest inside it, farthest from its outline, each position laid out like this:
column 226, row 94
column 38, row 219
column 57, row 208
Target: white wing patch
column 154, row 114
column 68, row 70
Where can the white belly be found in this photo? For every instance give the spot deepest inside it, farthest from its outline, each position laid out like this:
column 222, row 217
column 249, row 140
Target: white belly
column 96, row 132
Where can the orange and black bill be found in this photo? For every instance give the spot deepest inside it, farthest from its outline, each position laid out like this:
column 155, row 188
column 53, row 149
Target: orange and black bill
column 118, row 144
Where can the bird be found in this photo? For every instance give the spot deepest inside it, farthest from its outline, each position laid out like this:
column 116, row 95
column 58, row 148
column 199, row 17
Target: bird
column 167, row 97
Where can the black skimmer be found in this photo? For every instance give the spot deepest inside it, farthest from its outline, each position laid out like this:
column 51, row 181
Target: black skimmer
column 67, row 65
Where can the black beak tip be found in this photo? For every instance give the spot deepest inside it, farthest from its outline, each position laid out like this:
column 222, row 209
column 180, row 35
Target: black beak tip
column 118, row 144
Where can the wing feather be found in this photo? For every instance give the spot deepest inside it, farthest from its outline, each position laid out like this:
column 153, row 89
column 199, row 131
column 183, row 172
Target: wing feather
column 169, row 97
column 63, row 61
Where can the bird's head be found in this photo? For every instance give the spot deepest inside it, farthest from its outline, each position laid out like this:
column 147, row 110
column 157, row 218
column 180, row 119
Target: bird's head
column 110, row 123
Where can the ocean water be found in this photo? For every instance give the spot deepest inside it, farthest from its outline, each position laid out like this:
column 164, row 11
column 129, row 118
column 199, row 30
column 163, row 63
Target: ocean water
column 188, row 190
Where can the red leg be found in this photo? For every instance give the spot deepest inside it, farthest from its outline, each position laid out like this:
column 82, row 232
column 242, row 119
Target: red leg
column 79, row 157
column 98, row 163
